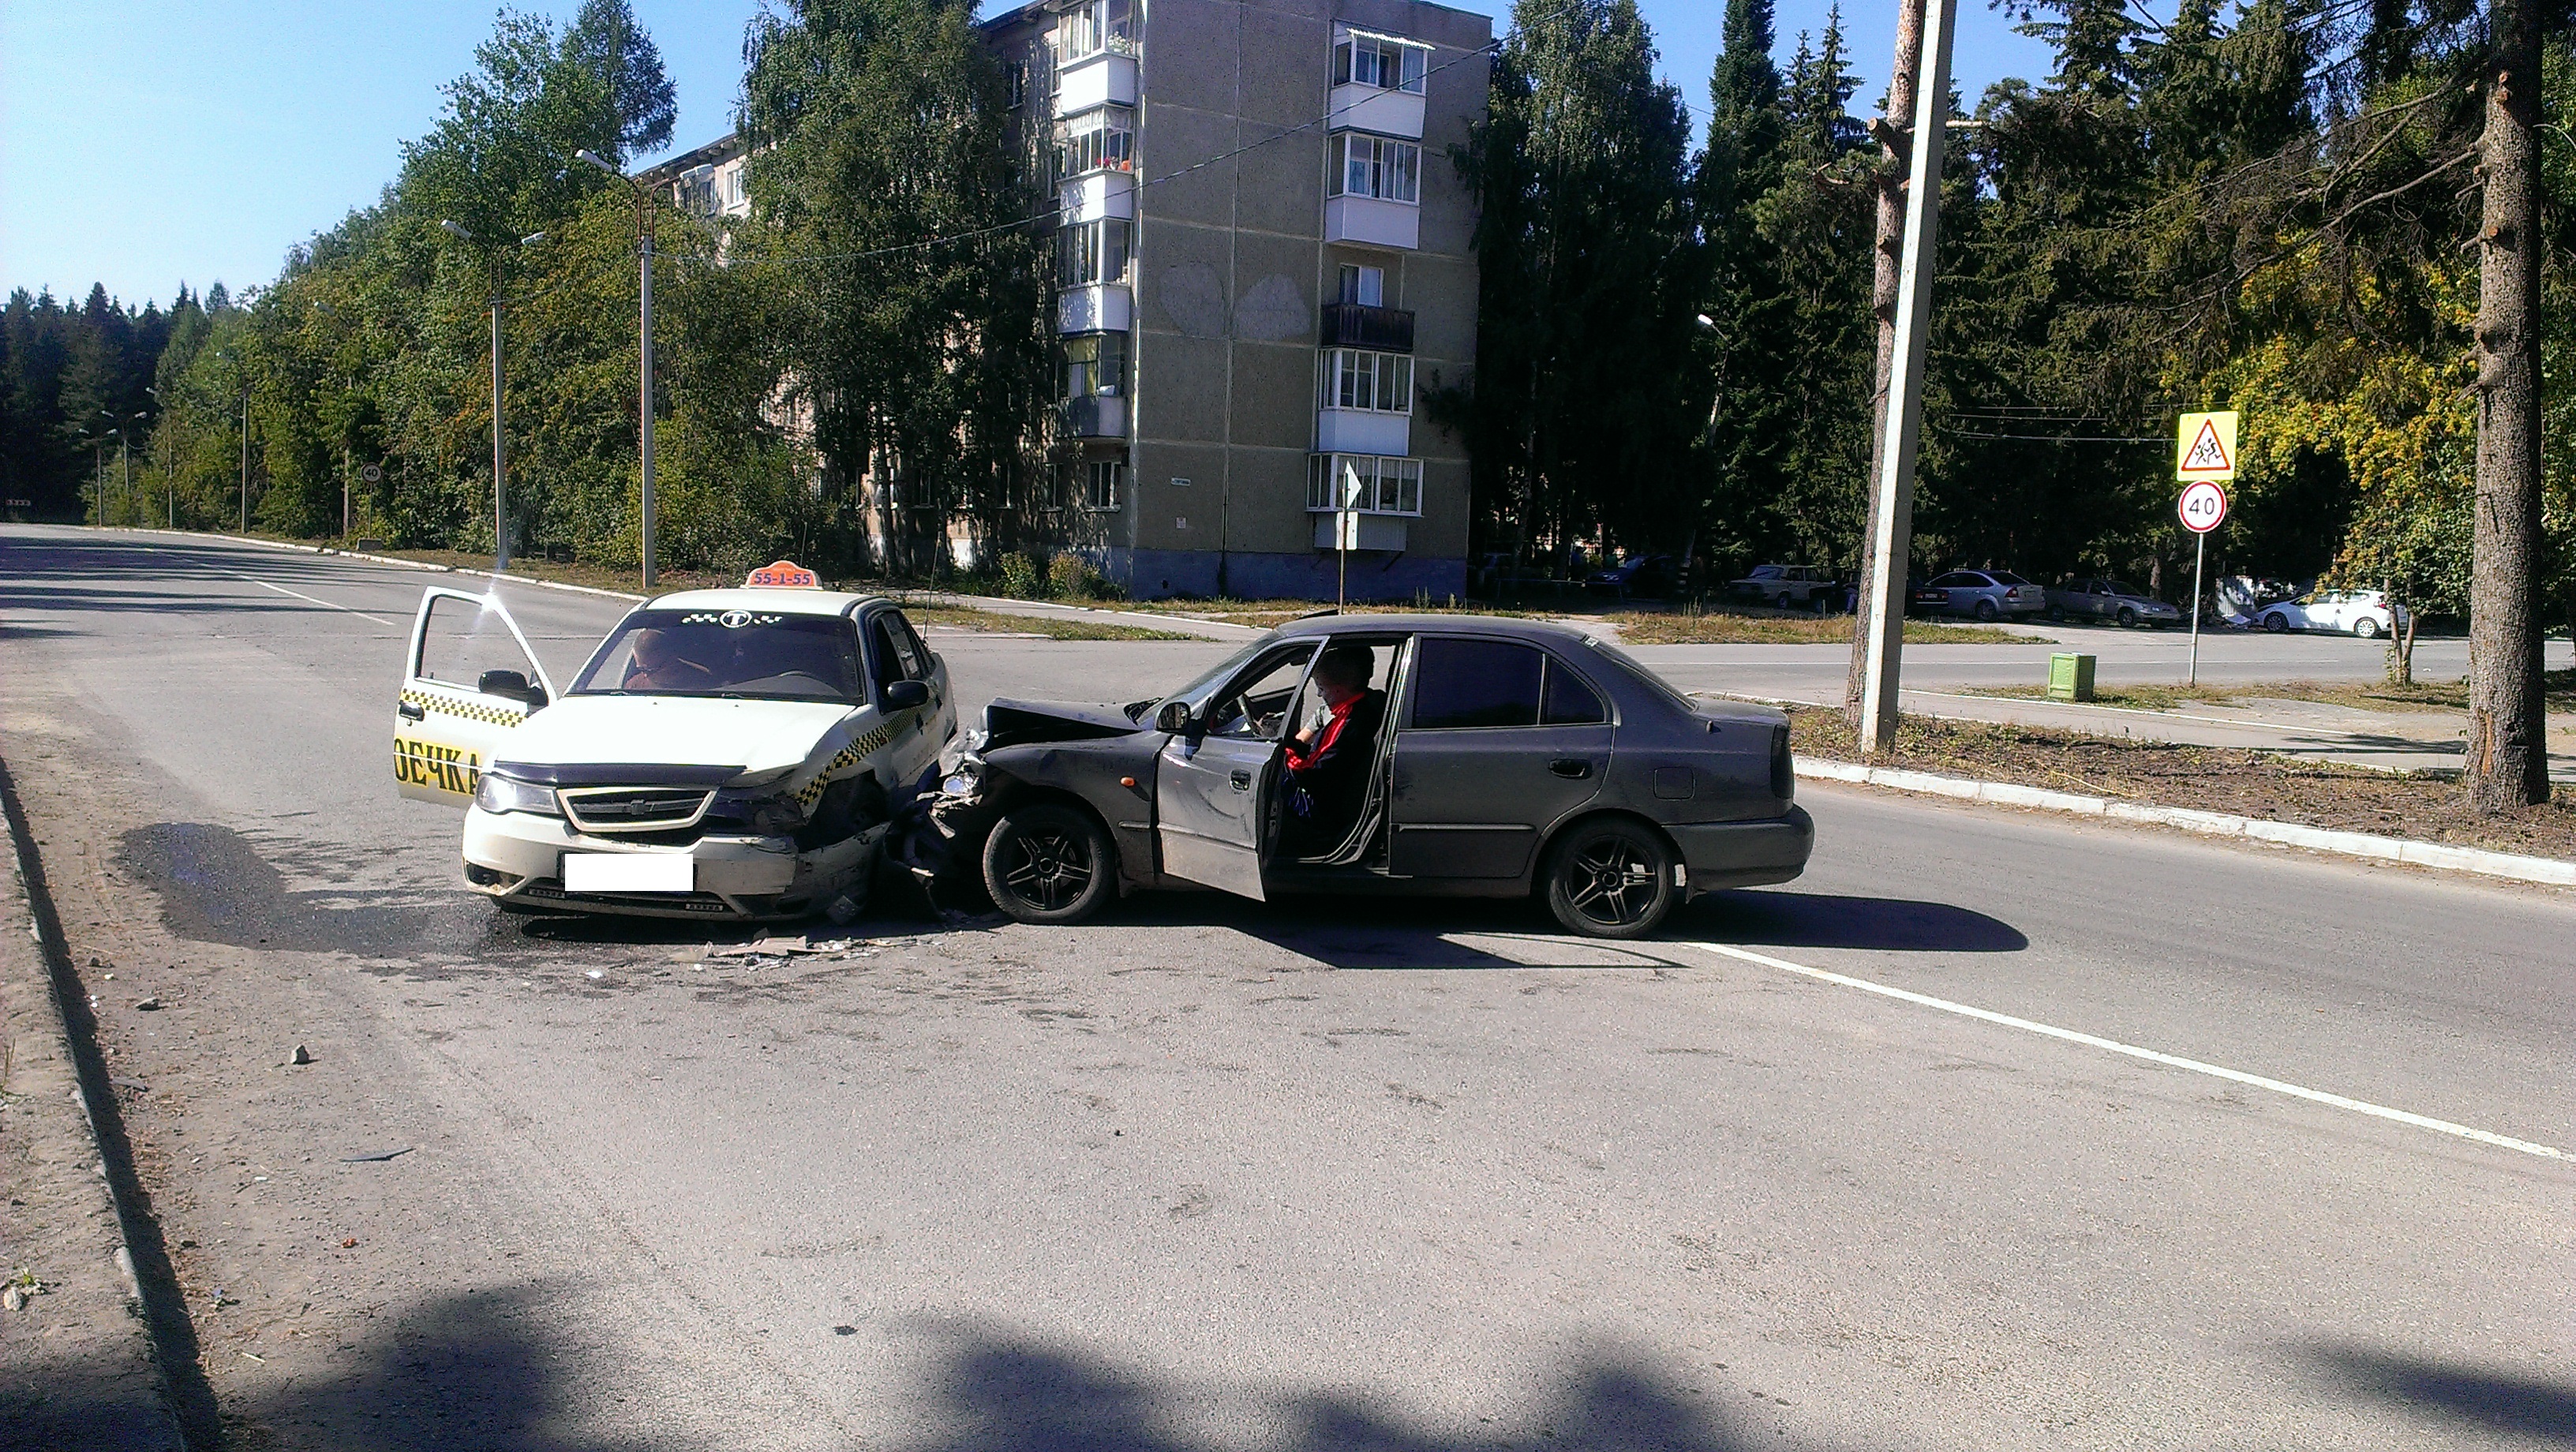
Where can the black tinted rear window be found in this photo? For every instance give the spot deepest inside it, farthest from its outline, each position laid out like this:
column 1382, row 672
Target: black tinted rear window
column 1569, row 701
column 1465, row 683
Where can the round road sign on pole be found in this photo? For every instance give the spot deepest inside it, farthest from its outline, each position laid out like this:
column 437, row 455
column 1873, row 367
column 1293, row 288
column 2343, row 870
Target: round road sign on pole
column 2203, row 506
column 371, row 473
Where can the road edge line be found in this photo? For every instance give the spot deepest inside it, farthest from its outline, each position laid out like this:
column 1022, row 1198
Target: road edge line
column 143, row 1255
column 396, row 560
column 2548, row 871
column 2152, row 1056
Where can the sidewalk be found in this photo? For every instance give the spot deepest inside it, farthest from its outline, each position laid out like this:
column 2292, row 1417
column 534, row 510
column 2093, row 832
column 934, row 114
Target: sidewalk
column 2390, row 740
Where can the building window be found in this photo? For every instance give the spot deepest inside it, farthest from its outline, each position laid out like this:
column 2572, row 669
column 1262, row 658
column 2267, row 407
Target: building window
column 1095, row 365
column 1381, row 61
column 1365, row 286
column 1015, row 82
column 1374, row 166
column 1100, row 139
column 1087, row 30
column 1368, row 484
column 733, row 186
column 1092, row 252
column 1095, row 484
column 1377, row 382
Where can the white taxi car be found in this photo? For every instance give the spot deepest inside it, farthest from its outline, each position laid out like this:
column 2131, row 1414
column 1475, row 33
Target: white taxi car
column 2366, row 613
column 723, row 754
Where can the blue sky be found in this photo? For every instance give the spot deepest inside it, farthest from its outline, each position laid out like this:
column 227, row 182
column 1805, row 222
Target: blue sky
column 147, row 144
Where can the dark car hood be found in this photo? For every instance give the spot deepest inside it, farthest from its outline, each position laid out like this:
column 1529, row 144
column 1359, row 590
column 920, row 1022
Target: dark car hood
column 1008, row 722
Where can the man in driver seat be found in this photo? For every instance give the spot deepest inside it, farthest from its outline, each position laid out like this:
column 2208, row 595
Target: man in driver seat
column 1326, row 766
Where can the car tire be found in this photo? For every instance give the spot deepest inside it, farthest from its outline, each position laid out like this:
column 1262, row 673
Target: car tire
column 2128, row 618
column 1047, row 863
column 2276, row 622
column 1986, row 610
column 2366, row 628
column 1780, row 601
column 1610, row 878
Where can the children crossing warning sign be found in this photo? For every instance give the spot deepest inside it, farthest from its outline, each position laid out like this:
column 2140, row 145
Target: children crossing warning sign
column 2205, row 447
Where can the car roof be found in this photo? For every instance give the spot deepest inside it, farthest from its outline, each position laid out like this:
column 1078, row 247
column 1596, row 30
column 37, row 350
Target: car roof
column 780, row 602
column 1496, row 625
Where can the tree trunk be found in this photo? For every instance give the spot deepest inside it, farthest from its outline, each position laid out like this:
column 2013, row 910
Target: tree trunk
column 2508, row 758
column 1887, row 254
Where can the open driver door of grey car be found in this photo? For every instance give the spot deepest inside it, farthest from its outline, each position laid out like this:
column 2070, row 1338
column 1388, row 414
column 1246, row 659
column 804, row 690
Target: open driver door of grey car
column 1213, row 786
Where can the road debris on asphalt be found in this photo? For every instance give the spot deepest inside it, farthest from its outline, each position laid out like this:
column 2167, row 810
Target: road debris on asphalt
column 376, row 1158
column 302, row 1055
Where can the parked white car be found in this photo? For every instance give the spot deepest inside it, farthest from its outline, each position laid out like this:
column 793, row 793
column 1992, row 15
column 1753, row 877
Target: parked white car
column 2365, row 613
column 724, row 753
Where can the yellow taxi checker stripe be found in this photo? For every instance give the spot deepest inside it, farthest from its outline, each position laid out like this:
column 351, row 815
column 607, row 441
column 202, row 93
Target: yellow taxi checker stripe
column 468, row 710
column 850, row 755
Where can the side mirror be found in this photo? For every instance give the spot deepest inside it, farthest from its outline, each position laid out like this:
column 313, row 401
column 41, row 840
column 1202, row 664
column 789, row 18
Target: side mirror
column 1174, row 717
column 510, row 685
column 904, row 695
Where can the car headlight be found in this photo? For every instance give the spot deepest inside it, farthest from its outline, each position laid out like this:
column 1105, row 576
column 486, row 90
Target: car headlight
column 768, row 816
column 498, row 793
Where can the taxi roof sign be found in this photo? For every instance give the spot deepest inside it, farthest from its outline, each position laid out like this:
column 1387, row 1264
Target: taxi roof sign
column 782, row 575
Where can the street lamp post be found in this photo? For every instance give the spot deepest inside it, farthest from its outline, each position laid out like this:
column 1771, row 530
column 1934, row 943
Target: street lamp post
column 644, row 368
column 169, row 486
column 124, row 455
column 500, row 516
column 97, row 470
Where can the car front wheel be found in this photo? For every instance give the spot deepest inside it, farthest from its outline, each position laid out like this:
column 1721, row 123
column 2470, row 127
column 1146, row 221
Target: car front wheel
column 2276, row 622
column 2366, row 628
column 1049, row 864
column 2128, row 618
column 1611, row 879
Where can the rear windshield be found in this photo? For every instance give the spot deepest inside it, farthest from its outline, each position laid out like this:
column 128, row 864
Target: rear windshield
column 2007, row 577
column 744, row 654
column 1637, row 671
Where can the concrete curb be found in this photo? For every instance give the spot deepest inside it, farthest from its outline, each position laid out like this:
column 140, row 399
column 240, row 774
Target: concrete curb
column 2217, row 824
column 394, row 560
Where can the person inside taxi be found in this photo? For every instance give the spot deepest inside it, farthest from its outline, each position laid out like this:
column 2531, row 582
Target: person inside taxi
column 1326, row 765
column 658, row 666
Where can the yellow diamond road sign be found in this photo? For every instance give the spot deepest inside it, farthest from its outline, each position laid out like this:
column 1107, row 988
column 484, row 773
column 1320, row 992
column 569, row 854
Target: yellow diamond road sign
column 2205, row 447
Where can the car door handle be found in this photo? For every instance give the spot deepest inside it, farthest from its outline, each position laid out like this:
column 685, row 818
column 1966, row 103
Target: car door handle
column 1242, row 781
column 1572, row 768
column 409, row 712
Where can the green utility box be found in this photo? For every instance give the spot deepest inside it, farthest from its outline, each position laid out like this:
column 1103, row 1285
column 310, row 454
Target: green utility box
column 2070, row 678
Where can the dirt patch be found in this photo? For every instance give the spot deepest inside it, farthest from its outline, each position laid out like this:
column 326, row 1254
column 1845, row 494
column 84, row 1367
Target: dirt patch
column 2244, row 783
column 2357, row 695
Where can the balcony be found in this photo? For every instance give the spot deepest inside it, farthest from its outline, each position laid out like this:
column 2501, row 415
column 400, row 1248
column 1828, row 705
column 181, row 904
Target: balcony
column 1106, row 78
column 1362, row 431
column 1096, row 416
column 1094, row 195
column 1369, row 108
column 1099, row 308
column 1357, row 325
column 1373, row 222
column 1359, row 532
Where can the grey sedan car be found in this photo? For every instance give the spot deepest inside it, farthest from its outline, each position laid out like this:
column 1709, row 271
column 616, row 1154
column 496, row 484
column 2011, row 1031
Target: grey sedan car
column 2097, row 598
column 1987, row 594
column 1477, row 758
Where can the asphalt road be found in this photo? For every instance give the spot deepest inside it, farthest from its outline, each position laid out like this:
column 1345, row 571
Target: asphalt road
column 1219, row 1175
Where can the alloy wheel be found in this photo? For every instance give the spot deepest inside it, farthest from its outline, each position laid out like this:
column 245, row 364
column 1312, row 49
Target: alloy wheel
column 1610, row 883
column 1048, row 869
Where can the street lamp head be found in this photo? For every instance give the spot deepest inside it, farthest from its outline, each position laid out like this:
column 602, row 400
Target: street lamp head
column 532, row 239
column 588, row 155
column 452, row 230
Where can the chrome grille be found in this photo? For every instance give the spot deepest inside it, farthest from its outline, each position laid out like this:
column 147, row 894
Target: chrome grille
column 612, row 811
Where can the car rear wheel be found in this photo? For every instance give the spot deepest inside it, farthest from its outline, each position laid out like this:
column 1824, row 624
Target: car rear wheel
column 1049, row 864
column 2276, row 622
column 1986, row 610
column 2366, row 628
column 1611, row 879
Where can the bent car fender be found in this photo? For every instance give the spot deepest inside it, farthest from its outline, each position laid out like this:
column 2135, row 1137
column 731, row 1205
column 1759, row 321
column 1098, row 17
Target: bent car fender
column 858, row 739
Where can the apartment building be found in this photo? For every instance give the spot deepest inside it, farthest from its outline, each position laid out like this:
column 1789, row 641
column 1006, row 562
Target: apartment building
column 1264, row 260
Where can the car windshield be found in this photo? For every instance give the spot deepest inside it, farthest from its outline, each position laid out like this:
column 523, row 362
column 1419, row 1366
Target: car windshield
column 1764, row 572
column 743, row 654
column 1208, row 679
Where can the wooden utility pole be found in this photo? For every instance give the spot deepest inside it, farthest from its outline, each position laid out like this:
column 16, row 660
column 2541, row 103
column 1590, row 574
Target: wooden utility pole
column 2508, row 759
column 1890, row 189
column 1891, row 536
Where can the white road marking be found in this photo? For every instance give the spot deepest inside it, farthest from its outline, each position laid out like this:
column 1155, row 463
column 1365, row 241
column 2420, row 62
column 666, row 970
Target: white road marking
column 300, row 595
column 2171, row 1061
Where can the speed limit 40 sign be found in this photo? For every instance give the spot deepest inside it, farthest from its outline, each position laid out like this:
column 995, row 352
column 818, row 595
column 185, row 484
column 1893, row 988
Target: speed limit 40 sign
column 2203, row 507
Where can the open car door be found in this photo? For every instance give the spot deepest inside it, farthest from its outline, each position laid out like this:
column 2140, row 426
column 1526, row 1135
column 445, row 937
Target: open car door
column 1215, row 782
column 468, row 681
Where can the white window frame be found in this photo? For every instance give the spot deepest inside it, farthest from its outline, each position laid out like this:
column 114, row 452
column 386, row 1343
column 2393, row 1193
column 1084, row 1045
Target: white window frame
column 1360, row 380
column 1361, row 58
column 1363, row 285
column 1370, row 483
column 1102, row 385
column 1082, row 252
column 1086, row 30
column 1386, row 168
column 1100, row 487
column 1085, row 138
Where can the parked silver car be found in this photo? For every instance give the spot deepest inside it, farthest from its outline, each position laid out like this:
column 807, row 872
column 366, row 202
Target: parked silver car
column 1786, row 587
column 1988, row 594
column 1421, row 755
column 2101, row 598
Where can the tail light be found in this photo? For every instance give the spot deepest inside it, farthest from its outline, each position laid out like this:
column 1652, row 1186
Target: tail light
column 1784, row 771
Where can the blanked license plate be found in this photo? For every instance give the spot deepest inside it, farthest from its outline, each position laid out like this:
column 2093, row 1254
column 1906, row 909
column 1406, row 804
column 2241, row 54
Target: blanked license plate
column 629, row 872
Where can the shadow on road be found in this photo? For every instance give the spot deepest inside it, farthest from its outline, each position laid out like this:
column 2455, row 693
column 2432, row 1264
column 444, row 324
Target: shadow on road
column 483, row 1370
column 1825, row 920
column 2517, row 1405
